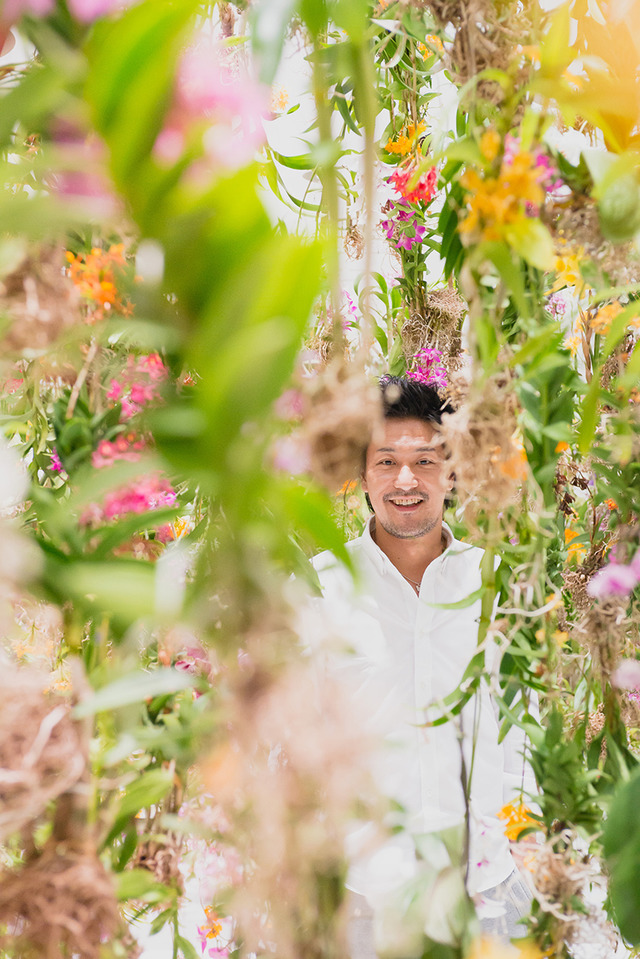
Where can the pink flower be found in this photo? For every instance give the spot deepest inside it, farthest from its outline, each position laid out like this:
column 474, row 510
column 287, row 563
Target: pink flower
column 291, row 455
column 615, row 579
column 56, row 463
column 124, row 447
column 290, row 405
column 627, row 675
column 211, row 88
column 429, row 369
column 89, row 10
column 412, row 185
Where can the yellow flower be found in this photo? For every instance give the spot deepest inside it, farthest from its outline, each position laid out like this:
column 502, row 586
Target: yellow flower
column 531, row 52
column 434, row 42
column 574, row 550
column 490, row 144
column 568, row 269
column 517, row 819
column 486, row 947
column 405, row 142
column 496, row 204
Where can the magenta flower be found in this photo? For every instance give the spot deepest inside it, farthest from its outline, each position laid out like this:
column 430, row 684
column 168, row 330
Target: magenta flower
column 615, row 579
column 429, row 368
column 56, row 463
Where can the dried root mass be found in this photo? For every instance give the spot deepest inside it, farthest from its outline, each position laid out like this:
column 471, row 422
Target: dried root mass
column 41, row 750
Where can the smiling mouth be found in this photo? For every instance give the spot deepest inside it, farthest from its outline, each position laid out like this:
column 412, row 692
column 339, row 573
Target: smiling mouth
column 405, row 502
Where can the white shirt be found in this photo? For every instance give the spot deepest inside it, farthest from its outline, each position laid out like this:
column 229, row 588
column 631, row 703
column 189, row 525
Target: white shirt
column 406, row 654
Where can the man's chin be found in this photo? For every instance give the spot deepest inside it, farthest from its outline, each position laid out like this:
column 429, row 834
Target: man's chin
column 408, row 531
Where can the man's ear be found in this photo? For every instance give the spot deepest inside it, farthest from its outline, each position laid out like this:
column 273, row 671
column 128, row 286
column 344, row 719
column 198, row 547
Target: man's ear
column 363, row 483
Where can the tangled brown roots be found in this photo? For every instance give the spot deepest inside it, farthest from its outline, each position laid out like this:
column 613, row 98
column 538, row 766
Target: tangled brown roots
column 486, row 36
column 58, row 905
column 486, row 453
column 439, row 326
column 39, row 300
column 343, row 408
column 41, row 750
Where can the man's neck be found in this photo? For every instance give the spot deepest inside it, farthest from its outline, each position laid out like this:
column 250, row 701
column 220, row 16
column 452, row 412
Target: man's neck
column 410, row 556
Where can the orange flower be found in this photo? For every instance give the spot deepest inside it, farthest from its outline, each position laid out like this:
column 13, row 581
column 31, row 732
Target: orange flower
column 434, row 45
column 405, row 142
column 601, row 321
column 347, row 488
column 93, row 275
column 561, row 447
column 611, row 504
column 517, row 818
column 575, row 550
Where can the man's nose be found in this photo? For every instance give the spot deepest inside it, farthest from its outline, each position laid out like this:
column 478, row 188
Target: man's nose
column 406, row 479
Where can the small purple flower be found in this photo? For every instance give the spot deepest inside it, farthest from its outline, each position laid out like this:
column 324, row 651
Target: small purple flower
column 56, row 463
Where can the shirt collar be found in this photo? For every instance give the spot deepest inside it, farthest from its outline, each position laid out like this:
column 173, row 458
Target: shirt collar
column 380, row 559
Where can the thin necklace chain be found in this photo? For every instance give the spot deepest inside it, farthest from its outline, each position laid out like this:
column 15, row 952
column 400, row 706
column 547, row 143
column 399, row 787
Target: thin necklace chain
column 416, row 586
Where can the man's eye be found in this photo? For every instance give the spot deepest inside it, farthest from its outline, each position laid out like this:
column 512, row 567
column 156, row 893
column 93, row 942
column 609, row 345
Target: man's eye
column 386, row 463
column 425, row 462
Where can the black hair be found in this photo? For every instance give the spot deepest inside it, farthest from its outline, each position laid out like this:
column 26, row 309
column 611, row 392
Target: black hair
column 403, row 397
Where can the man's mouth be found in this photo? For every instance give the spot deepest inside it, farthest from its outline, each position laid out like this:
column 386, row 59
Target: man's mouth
column 405, row 502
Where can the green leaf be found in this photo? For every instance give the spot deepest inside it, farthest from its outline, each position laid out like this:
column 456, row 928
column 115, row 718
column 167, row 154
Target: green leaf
column 148, row 789
column 510, row 273
column 134, row 688
column 140, row 884
column 531, row 239
column 621, row 843
column 131, row 69
column 465, row 151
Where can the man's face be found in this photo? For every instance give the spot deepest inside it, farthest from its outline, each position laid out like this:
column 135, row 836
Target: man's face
column 405, row 478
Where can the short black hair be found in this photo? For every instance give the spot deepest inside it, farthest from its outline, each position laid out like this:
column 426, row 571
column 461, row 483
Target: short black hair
column 403, row 397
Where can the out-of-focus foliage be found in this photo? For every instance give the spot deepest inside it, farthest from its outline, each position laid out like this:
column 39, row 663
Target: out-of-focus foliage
column 187, row 389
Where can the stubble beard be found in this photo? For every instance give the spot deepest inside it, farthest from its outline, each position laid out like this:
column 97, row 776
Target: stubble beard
column 400, row 533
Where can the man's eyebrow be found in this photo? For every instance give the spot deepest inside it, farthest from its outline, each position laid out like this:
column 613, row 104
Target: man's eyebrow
column 418, row 449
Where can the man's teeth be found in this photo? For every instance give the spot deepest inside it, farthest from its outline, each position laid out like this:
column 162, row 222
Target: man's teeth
column 412, row 501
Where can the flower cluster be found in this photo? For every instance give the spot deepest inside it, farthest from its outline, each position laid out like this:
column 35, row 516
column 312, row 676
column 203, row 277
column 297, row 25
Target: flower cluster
column 548, row 176
column 516, row 818
column 139, row 383
column 403, row 227
column 127, row 447
column 498, row 205
column 405, row 143
column 429, row 368
column 413, row 182
column 147, row 492
column 615, row 579
column 94, row 276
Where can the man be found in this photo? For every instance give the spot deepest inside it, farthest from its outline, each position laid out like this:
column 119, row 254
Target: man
column 409, row 648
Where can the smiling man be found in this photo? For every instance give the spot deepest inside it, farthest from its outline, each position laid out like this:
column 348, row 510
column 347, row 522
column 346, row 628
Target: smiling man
column 411, row 631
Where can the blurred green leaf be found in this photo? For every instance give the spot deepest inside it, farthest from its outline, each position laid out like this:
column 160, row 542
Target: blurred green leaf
column 134, row 688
